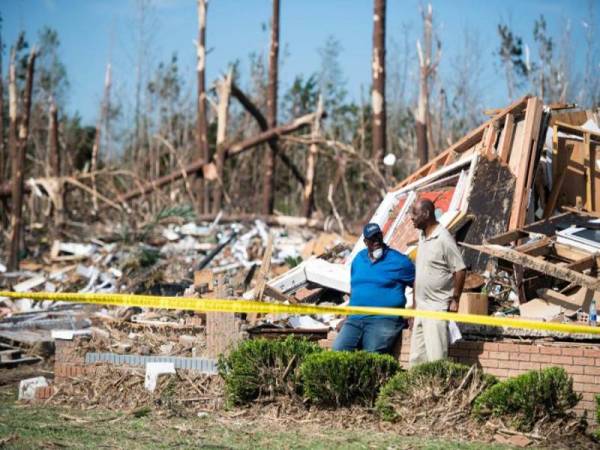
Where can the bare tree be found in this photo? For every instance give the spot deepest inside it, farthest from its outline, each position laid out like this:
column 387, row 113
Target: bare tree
column 427, row 68
column 378, row 94
column 19, row 148
column 201, row 124
column 466, row 94
column 268, row 197
column 513, row 59
column 589, row 92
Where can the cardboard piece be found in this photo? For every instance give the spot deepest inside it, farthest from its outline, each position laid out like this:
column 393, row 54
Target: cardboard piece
column 539, row 309
column 569, row 303
column 204, row 276
column 473, row 303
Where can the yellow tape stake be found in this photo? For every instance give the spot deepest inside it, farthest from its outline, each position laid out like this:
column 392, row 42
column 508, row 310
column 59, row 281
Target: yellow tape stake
column 246, row 306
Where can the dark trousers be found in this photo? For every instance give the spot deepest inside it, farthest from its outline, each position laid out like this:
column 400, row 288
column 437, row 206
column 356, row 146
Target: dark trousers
column 376, row 335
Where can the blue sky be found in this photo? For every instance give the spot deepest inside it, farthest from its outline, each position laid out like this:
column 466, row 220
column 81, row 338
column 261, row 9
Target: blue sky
column 91, row 30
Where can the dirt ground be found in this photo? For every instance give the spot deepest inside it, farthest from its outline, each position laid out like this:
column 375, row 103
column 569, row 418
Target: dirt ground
column 38, row 426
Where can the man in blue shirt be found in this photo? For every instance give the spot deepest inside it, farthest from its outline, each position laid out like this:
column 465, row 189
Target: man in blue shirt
column 379, row 276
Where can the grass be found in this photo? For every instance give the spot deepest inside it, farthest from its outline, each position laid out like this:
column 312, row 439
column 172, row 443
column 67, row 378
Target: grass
column 37, row 426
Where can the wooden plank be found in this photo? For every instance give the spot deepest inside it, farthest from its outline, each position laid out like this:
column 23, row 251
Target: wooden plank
column 594, row 149
column 570, row 253
column 489, row 140
column 578, row 131
column 527, row 150
column 506, row 138
column 540, row 247
column 537, row 264
column 553, row 198
column 590, row 173
column 589, row 262
column 513, row 159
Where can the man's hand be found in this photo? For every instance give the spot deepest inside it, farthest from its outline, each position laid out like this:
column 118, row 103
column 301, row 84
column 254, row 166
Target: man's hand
column 409, row 322
column 338, row 327
column 453, row 306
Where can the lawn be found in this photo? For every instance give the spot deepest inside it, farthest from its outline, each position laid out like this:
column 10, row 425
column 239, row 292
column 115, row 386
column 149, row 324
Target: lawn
column 40, row 426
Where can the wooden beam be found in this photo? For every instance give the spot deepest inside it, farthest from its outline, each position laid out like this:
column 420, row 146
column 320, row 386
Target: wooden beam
column 569, row 253
column 506, row 139
column 590, row 173
column 553, row 198
column 540, row 247
column 589, row 262
column 579, row 131
column 537, row 264
column 489, row 140
column 527, row 150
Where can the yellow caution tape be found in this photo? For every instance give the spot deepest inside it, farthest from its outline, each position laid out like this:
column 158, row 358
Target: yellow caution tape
column 245, row 306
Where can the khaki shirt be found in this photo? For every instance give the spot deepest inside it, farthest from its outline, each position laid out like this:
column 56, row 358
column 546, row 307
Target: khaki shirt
column 438, row 258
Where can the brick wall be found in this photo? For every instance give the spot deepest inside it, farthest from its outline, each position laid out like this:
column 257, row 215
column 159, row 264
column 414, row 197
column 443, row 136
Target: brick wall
column 506, row 358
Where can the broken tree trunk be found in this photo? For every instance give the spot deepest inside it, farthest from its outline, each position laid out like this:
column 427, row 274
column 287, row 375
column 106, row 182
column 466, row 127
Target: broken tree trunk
column 201, row 124
column 268, row 197
column 12, row 117
column 262, row 124
column 3, row 156
column 97, row 139
column 378, row 94
column 232, row 150
column 19, row 161
column 3, row 149
column 426, row 69
column 224, row 93
column 311, row 162
column 54, row 162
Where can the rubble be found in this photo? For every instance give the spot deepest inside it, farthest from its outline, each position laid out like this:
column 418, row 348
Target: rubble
column 529, row 238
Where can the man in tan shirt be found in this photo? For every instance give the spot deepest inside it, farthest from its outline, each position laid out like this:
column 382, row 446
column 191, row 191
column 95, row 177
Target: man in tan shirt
column 439, row 281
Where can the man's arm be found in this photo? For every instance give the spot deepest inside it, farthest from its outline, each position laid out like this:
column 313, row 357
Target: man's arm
column 458, row 284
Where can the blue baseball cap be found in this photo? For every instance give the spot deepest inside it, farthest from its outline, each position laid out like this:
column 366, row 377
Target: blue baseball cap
column 370, row 230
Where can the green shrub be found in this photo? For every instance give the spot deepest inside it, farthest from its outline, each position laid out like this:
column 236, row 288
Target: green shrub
column 344, row 378
column 529, row 397
column 427, row 384
column 262, row 367
column 597, row 433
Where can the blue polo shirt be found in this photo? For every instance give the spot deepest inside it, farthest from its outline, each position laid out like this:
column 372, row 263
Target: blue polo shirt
column 380, row 283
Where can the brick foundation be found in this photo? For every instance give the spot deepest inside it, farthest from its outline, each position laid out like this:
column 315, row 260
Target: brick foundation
column 506, row 358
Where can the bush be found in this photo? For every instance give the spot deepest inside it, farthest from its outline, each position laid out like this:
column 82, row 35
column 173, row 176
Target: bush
column 526, row 399
column 264, row 367
column 427, row 384
column 597, row 433
column 344, row 378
